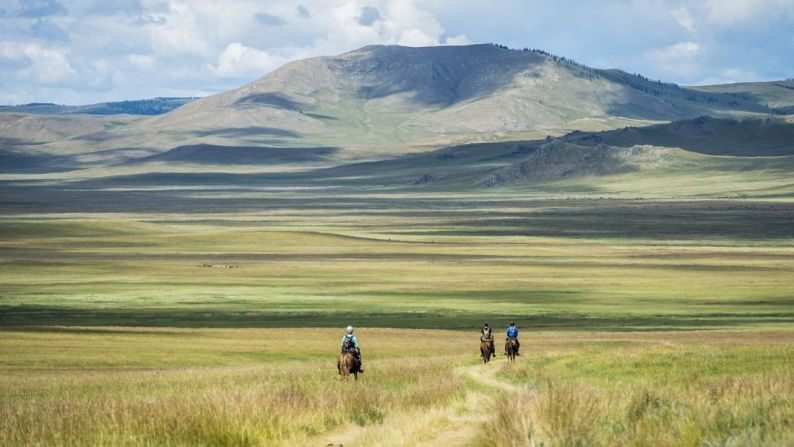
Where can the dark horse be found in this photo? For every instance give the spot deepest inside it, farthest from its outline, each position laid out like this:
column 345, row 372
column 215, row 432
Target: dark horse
column 511, row 348
column 348, row 364
column 486, row 349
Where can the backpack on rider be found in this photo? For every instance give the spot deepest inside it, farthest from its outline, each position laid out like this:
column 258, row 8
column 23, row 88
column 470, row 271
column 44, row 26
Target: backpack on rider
column 350, row 344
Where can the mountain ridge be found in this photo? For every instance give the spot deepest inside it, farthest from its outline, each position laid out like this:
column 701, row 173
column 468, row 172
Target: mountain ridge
column 383, row 100
column 149, row 106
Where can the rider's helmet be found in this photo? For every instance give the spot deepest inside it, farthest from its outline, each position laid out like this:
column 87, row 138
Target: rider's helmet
column 350, row 330
column 512, row 324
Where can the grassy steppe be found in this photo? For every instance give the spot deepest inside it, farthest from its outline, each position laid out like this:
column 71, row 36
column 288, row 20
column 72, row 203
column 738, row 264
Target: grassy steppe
column 612, row 266
column 686, row 389
column 115, row 386
column 645, row 322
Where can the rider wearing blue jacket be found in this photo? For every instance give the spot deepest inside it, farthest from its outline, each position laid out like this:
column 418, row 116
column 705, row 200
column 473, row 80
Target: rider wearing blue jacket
column 350, row 344
column 512, row 334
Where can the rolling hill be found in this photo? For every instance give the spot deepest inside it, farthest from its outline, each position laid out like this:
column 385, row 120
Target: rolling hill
column 462, row 118
column 777, row 95
column 153, row 106
column 701, row 157
column 382, row 100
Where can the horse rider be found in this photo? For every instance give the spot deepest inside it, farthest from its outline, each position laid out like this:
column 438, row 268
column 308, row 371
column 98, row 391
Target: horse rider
column 487, row 334
column 350, row 344
column 512, row 334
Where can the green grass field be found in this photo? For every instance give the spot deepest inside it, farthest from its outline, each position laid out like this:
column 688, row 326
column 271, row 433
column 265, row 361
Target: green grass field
column 643, row 322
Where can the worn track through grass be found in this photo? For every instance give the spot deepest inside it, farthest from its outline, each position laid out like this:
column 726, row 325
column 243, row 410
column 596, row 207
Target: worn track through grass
column 457, row 424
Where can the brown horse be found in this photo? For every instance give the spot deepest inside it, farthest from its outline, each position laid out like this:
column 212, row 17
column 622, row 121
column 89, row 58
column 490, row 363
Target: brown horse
column 511, row 348
column 486, row 349
column 347, row 364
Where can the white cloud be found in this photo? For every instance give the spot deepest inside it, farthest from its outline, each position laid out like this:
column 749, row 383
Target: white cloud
column 238, row 60
column 402, row 22
column 728, row 76
column 48, row 65
column 736, row 12
column 103, row 50
column 180, row 35
column 680, row 59
column 143, row 46
column 460, row 39
column 412, row 25
column 414, row 37
column 41, row 64
column 141, row 61
column 684, row 18
column 677, row 52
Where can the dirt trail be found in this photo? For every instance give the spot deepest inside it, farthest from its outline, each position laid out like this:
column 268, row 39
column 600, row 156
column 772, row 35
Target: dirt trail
column 455, row 425
column 486, row 375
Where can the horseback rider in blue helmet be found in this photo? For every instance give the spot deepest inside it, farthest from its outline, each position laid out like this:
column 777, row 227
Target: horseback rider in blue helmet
column 512, row 334
column 350, row 344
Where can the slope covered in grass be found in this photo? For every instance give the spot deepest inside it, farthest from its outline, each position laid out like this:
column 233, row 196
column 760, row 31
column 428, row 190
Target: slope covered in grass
column 775, row 94
column 382, row 100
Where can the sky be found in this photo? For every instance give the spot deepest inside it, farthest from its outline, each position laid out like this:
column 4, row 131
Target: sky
column 87, row 51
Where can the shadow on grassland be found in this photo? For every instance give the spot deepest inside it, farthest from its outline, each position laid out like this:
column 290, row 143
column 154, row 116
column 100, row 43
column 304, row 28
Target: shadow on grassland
column 241, row 132
column 243, row 155
column 119, row 330
column 22, row 316
column 682, row 221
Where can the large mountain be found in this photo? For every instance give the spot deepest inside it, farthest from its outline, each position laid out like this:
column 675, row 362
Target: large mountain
column 429, row 119
column 379, row 100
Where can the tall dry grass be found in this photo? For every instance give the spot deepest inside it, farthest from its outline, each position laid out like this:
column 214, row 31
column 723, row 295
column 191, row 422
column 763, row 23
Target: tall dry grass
column 227, row 406
column 287, row 394
column 747, row 412
column 644, row 405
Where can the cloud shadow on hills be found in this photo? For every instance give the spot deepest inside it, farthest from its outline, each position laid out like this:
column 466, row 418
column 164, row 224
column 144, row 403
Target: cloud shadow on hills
column 280, row 101
column 243, row 132
column 241, row 155
column 437, row 76
column 13, row 159
column 97, row 137
column 271, row 99
column 11, row 143
column 750, row 137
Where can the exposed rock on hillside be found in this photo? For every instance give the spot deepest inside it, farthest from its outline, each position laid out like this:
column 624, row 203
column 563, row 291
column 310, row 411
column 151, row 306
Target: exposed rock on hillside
column 559, row 159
